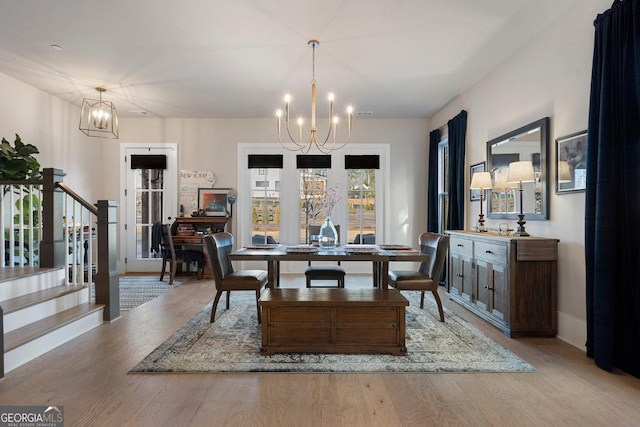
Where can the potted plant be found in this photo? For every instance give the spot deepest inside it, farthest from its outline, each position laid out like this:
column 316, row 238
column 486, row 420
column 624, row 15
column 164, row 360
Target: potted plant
column 18, row 164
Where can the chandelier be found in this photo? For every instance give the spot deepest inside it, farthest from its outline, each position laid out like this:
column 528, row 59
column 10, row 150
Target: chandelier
column 330, row 142
column 99, row 118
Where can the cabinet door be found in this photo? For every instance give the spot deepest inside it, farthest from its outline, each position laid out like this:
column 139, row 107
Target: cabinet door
column 500, row 286
column 483, row 290
column 461, row 277
column 491, row 293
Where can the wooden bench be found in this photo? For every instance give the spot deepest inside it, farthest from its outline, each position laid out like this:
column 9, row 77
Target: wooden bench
column 333, row 321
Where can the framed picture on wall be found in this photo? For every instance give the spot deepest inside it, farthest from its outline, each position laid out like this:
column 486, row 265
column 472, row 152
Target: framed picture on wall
column 214, row 201
column 478, row 167
column 571, row 163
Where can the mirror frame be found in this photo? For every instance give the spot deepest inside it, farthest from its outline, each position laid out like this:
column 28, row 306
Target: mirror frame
column 543, row 124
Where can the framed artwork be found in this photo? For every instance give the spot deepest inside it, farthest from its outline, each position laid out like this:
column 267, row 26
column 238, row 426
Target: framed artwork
column 478, row 167
column 571, row 163
column 213, row 201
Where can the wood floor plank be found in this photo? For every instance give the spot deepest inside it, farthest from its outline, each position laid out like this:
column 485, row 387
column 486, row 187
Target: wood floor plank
column 88, row 376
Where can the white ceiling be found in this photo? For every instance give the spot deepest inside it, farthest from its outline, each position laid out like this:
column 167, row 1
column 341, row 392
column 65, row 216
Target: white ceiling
column 237, row 58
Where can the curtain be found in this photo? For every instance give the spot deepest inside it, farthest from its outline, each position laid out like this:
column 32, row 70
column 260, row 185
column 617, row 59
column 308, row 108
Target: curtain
column 432, row 183
column 612, row 212
column 457, row 135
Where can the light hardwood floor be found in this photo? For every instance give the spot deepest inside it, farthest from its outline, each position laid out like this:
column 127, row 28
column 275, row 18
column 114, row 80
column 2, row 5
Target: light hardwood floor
column 88, row 376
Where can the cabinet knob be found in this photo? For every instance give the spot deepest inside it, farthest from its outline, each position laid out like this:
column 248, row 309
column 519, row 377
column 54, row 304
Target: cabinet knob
column 459, row 274
column 487, row 287
column 460, row 245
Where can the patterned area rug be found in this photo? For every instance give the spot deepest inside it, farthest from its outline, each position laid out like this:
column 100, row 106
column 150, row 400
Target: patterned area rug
column 136, row 290
column 232, row 344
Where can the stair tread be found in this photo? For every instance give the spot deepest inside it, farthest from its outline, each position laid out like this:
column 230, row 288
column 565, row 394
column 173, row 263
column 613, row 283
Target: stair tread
column 40, row 328
column 14, row 273
column 17, row 303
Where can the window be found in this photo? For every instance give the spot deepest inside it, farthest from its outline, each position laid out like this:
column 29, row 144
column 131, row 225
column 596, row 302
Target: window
column 265, row 206
column 288, row 196
column 361, row 205
column 149, row 191
column 313, row 183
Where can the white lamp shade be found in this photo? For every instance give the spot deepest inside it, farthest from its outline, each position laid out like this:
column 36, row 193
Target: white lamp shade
column 481, row 181
column 564, row 172
column 501, row 183
column 520, row 172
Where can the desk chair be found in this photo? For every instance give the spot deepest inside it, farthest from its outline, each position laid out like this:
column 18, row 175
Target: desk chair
column 428, row 274
column 173, row 256
column 324, row 272
column 219, row 245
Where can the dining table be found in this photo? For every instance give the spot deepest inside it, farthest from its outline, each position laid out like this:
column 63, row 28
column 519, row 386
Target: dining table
column 379, row 255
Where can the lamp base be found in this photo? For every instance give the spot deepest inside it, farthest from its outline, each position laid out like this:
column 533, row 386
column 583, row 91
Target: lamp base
column 480, row 228
column 521, row 232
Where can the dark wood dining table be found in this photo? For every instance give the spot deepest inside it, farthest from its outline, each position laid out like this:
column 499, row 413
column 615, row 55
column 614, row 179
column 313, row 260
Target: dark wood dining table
column 380, row 257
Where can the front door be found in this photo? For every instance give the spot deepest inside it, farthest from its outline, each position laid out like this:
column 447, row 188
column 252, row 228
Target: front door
column 150, row 195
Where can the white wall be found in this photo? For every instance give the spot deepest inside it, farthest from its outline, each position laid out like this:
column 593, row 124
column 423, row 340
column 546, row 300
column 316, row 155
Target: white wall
column 549, row 77
column 52, row 125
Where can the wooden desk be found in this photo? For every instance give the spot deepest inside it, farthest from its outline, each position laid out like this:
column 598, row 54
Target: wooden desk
column 380, row 260
column 333, row 321
column 201, row 224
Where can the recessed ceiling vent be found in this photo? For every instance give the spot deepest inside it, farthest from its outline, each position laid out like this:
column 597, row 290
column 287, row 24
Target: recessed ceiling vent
column 364, row 113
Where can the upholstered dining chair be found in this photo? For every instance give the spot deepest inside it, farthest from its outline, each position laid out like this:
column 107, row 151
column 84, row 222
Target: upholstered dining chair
column 173, row 256
column 428, row 274
column 324, row 272
column 219, row 245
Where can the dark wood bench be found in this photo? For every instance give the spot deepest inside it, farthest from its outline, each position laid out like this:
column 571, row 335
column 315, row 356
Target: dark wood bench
column 333, row 321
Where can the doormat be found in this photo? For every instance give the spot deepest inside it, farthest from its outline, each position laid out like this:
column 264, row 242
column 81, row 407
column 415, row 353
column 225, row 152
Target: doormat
column 137, row 290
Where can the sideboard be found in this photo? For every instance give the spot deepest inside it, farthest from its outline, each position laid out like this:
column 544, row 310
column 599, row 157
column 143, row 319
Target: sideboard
column 189, row 232
column 509, row 281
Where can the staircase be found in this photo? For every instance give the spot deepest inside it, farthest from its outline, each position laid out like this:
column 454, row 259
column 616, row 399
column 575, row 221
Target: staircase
column 41, row 313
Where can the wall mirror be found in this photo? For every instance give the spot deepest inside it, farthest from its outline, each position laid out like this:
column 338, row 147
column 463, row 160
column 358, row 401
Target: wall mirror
column 531, row 143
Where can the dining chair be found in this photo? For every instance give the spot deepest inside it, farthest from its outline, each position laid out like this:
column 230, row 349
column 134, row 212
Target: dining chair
column 365, row 239
column 219, row 245
column 173, row 256
column 323, row 272
column 428, row 275
column 259, row 239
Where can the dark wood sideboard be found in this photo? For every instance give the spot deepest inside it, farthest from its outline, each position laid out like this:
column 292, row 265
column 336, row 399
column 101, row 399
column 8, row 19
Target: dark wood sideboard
column 509, row 281
column 199, row 226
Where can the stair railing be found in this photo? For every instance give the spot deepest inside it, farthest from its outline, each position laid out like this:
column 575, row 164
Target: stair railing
column 46, row 224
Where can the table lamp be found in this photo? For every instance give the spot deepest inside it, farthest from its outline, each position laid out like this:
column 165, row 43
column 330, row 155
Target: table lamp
column 520, row 172
column 481, row 181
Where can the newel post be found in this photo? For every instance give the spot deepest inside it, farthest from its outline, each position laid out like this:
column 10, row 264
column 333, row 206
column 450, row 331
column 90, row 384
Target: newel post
column 52, row 246
column 107, row 283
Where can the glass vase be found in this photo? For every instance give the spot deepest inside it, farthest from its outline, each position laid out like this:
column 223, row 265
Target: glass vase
column 328, row 235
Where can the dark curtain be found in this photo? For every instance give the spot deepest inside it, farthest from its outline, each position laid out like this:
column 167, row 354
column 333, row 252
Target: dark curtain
column 612, row 236
column 457, row 135
column 432, row 183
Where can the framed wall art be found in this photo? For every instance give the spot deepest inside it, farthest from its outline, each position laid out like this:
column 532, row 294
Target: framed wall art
column 213, row 201
column 571, row 163
column 478, row 167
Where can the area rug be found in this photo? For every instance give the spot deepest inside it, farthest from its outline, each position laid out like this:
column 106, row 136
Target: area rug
column 232, row 344
column 136, row 290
